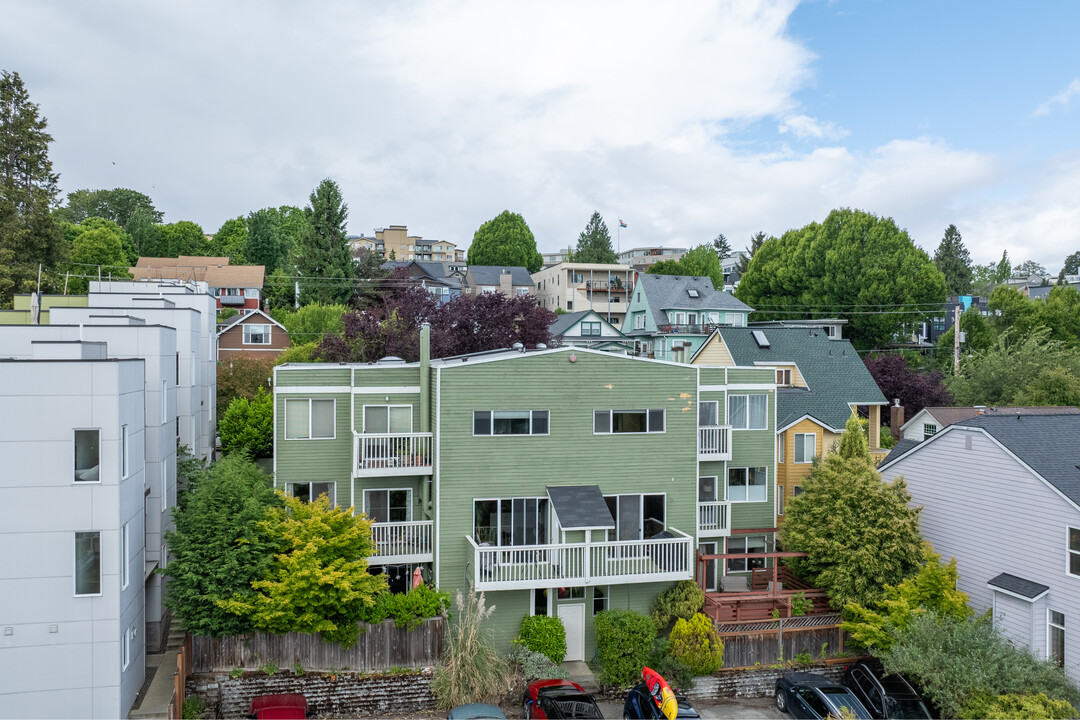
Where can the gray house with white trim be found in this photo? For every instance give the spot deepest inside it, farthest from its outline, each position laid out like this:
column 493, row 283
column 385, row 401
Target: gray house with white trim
column 1001, row 494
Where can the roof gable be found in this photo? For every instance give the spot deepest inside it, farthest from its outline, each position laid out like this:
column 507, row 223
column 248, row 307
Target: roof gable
column 671, row 292
column 242, row 319
column 490, row 275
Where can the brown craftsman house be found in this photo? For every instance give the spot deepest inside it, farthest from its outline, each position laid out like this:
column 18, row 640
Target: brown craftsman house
column 254, row 332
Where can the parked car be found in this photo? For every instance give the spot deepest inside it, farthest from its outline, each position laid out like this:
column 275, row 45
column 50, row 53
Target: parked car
column 640, row 704
column 884, row 696
column 558, row 699
column 476, row 711
column 290, row 707
column 809, row 695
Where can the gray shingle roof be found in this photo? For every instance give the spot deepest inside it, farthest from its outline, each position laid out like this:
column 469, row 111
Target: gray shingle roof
column 901, row 447
column 580, row 506
column 489, row 275
column 834, row 373
column 1019, row 586
column 666, row 292
column 566, row 321
column 1046, row 443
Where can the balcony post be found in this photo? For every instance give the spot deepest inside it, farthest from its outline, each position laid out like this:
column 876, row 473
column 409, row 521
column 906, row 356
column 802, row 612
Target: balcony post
column 585, row 567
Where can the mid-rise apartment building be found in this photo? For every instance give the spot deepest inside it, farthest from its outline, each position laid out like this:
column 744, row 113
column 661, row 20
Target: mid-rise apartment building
column 395, row 243
column 572, row 287
column 640, row 258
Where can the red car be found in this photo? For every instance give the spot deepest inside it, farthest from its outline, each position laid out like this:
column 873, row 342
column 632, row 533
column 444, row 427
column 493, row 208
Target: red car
column 558, row 699
column 285, row 707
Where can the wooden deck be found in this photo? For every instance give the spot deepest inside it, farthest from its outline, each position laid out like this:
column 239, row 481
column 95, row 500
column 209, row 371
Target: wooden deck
column 771, row 590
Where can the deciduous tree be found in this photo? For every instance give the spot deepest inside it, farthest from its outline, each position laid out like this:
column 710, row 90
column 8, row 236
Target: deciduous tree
column 118, row 205
column 1000, row 374
column 323, row 260
column 231, row 241
column 594, row 243
column 1071, row 267
column 505, row 240
column 96, row 245
column 756, row 241
column 179, row 238
column 915, row 388
column 954, row 261
column 1029, row 268
column 701, row 261
column 241, row 376
column 247, row 426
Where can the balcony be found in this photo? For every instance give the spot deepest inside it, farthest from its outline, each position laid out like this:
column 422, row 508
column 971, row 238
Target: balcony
column 389, row 454
column 689, row 328
column 402, row 542
column 236, row 300
column 617, row 562
column 714, row 518
column 714, row 443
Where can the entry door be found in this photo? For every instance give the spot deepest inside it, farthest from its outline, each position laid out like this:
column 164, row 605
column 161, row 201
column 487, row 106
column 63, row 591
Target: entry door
column 709, row 548
column 573, row 618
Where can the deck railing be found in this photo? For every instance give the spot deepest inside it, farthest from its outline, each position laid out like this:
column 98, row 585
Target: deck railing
column 714, row 517
column 392, row 454
column 402, row 542
column 714, row 443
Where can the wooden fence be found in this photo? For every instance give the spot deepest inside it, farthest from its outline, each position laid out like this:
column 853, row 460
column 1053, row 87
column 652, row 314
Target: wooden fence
column 380, row 647
column 771, row 641
column 180, row 675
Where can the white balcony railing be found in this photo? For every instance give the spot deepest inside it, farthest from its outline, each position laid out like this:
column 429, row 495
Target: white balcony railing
column 603, row 563
column 391, row 454
column 714, row 443
column 714, row 517
column 402, row 542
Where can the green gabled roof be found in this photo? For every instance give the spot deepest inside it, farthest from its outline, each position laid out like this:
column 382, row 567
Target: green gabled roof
column 834, row 373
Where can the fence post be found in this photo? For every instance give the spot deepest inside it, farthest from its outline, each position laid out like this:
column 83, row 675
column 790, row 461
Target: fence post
column 780, row 639
column 840, row 644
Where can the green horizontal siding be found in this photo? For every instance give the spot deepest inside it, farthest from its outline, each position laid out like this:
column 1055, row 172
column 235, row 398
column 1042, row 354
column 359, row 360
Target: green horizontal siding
column 750, row 376
column 312, row 376
column 411, row 399
column 315, row 460
column 713, row 376
column 376, row 375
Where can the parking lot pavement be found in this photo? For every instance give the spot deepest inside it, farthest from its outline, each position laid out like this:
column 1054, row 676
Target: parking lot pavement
column 733, row 709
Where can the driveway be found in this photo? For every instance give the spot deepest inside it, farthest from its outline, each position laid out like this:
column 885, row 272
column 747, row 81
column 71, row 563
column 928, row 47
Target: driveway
column 735, row 709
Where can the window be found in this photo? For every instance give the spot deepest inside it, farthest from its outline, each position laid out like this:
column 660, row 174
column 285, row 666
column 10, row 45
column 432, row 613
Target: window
column 708, row 413
column 748, row 412
column 388, row 505
column 639, row 321
column 312, row 491
column 706, row 488
column 796, row 491
column 571, row 593
column 309, row 419
column 164, row 485
column 590, row 328
column 781, row 440
column 256, row 334
column 928, row 429
column 125, row 556
column 693, row 293
column 164, row 561
column 125, row 650
column 87, row 456
column 510, row 422
column 124, row 451
column 383, row 419
column 783, row 377
column 1055, row 637
column 637, row 517
column 747, row 484
column 779, row 499
column 599, row 599
column 1074, row 551
column 805, row 447
column 628, row 421
column 511, row 521
column 164, row 402
column 88, row 563
column 745, row 544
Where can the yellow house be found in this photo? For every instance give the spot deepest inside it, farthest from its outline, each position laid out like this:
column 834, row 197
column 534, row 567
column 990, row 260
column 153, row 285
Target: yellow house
column 820, row 382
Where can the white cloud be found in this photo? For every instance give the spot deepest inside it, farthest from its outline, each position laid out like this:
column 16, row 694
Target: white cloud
column 1063, row 98
column 804, row 126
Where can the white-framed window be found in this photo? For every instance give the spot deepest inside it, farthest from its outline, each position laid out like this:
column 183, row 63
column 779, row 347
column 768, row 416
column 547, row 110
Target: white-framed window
column 748, row 484
column 637, row 516
column 599, row 598
column 123, row 451
column 745, row 544
column 388, row 505
column 521, row 291
column 607, row 422
column 511, row 422
column 125, row 555
column 88, row 562
column 125, row 649
column 748, row 412
column 805, row 447
column 1073, row 551
column 779, row 499
column 310, row 419
column 1055, row 636
column 590, row 328
column 87, row 449
column 164, row 555
column 164, row 485
column 257, row 334
column 511, row 521
column 164, row 402
column 309, row 491
column 639, row 321
column 706, row 488
column 783, row 377
column 928, row 430
column 385, row 419
column 781, row 439
column 708, row 413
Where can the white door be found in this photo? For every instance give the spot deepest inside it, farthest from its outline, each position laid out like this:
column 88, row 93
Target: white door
column 573, row 619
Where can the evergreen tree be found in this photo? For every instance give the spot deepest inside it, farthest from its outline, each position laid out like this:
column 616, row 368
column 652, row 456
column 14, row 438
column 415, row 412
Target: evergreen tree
column 722, row 246
column 29, row 234
column 756, row 241
column 505, row 240
column 954, row 261
column 594, row 243
column 1071, row 267
column 145, row 234
column 1004, row 268
column 323, row 260
column 263, row 244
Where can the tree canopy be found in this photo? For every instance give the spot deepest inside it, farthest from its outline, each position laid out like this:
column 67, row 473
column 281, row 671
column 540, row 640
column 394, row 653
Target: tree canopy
column 594, row 243
column 756, row 241
column 118, row 205
column 176, row 239
column 954, row 261
column 230, row 241
column 721, row 246
column 505, row 240
column 323, row 260
column 850, row 265
column 1071, row 266
column 1029, row 268
column 915, row 388
column 96, row 244
column 701, row 261
column 1020, row 369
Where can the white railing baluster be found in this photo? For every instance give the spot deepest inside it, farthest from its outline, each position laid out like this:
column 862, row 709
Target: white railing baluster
column 392, row 453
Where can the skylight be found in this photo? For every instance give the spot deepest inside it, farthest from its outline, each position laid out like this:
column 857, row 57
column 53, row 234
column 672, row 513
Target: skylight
column 760, row 339
column 693, row 293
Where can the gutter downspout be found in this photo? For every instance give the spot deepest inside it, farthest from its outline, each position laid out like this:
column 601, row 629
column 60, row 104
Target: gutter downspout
column 425, row 405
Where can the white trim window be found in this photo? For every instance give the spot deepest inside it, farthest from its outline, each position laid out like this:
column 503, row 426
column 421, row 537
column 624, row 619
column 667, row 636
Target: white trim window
column 782, row 440
column 1055, row 636
column 164, row 560
column 164, row 485
column 600, row 598
column 590, row 328
column 805, row 447
column 783, row 377
column 1073, row 552
column 929, row 430
column 87, row 449
column 708, row 413
column 88, row 563
column 745, row 544
column 388, row 505
column 637, row 516
column 125, row 556
column 508, row 522
column 125, row 649
column 779, row 499
column 748, row 484
column 387, row 419
column 124, row 452
column 639, row 321
column 310, row 419
column 796, row 491
column 511, row 422
column 257, row 333
column 748, row 412
column 309, row 491
column 609, row 422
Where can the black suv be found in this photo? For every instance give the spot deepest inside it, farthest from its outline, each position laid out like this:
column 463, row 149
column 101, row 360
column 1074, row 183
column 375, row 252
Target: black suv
column 813, row 696
column 885, row 696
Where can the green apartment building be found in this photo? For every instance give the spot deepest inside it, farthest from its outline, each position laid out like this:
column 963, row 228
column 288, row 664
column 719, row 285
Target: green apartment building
column 559, row 481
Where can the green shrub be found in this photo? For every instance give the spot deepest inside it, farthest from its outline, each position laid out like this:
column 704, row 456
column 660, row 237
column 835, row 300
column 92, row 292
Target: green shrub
column 544, row 634
column 1017, row 707
column 194, row 707
column 535, row 665
column 681, row 600
column 248, row 425
column 697, row 643
column 408, row 610
column 670, row 667
column 800, row 604
column 624, row 640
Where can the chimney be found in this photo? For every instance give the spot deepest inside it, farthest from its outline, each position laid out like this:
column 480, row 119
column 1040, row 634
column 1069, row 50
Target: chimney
column 980, row 409
column 896, row 419
column 506, row 283
column 425, row 373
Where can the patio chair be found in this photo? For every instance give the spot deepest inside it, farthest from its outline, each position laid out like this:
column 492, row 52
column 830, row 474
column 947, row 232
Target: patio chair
column 735, row 583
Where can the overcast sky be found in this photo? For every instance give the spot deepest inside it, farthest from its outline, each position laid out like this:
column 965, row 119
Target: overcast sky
column 685, row 119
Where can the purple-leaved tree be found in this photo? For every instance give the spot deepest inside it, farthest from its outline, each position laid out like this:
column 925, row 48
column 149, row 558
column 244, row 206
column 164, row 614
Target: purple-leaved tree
column 915, row 388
